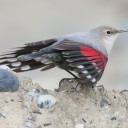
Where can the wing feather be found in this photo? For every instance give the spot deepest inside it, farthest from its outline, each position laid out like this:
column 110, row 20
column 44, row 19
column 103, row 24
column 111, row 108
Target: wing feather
column 10, row 58
column 83, row 59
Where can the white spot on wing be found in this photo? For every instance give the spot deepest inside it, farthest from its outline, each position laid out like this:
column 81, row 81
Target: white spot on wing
column 80, row 66
column 94, row 63
column 38, row 59
column 13, row 60
column 46, row 61
column 16, row 64
column 99, row 70
column 89, row 76
column 26, row 67
column 93, row 80
column 85, row 71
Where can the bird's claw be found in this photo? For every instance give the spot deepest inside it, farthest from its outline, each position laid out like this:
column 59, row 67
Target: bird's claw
column 70, row 88
column 66, row 79
column 101, row 87
column 125, row 90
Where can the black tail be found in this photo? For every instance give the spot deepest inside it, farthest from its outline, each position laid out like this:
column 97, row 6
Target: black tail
column 10, row 58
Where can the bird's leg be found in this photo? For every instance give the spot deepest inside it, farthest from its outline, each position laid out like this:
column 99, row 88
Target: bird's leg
column 68, row 79
column 78, row 86
column 72, row 74
column 65, row 79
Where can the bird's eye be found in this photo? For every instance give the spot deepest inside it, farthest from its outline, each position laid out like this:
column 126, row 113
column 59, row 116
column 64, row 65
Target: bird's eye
column 108, row 32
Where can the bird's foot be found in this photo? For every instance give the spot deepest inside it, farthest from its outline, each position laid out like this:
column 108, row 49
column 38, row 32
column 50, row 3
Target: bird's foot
column 70, row 84
column 67, row 80
column 77, row 87
column 100, row 87
column 125, row 90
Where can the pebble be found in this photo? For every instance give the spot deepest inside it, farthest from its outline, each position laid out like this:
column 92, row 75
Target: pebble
column 79, row 126
column 33, row 93
column 78, row 87
column 3, row 114
column 46, row 101
column 28, row 125
column 105, row 100
column 107, row 116
column 8, row 81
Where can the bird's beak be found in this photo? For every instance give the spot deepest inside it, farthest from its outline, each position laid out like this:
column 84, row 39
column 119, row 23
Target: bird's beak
column 122, row 31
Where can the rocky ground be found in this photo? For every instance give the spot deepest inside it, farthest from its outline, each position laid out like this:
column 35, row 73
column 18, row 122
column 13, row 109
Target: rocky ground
column 34, row 107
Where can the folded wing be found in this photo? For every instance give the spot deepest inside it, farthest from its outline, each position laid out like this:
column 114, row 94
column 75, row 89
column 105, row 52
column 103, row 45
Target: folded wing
column 87, row 62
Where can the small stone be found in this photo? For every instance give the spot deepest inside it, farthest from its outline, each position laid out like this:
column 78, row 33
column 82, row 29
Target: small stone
column 46, row 101
column 105, row 100
column 47, row 124
column 33, row 93
column 79, row 126
column 78, row 87
column 107, row 116
column 12, row 100
column 28, row 125
column 33, row 82
column 113, row 118
column 3, row 114
column 44, row 91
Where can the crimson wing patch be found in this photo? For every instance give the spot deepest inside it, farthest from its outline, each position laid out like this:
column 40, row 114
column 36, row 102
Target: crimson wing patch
column 87, row 62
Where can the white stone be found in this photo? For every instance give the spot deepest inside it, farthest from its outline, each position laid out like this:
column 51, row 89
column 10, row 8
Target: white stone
column 46, row 101
column 33, row 93
column 79, row 126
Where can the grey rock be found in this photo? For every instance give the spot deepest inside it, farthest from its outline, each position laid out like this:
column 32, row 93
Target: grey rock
column 8, row 81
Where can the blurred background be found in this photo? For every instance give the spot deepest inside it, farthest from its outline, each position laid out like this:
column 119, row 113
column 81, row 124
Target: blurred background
column 23, row 21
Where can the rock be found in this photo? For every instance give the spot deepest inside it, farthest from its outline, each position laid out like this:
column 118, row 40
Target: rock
column 79, row 126
column 28, row 125
column 8, row 81
column 105, row 99
column 46, row 101
column 34, row 92
column 3, row 114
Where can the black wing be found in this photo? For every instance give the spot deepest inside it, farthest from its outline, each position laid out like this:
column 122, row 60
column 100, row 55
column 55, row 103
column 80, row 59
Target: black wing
column 87, row 62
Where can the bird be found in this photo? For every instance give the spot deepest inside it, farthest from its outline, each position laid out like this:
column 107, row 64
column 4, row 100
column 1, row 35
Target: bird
column 83, row 54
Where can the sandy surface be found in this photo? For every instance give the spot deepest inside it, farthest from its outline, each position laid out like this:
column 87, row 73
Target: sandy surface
column 88, row 108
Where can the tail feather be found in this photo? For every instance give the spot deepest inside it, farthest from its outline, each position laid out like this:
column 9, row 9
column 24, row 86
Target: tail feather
column 11, row 58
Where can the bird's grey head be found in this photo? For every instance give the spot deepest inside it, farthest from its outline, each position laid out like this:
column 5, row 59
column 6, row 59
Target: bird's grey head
column 106, row 35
